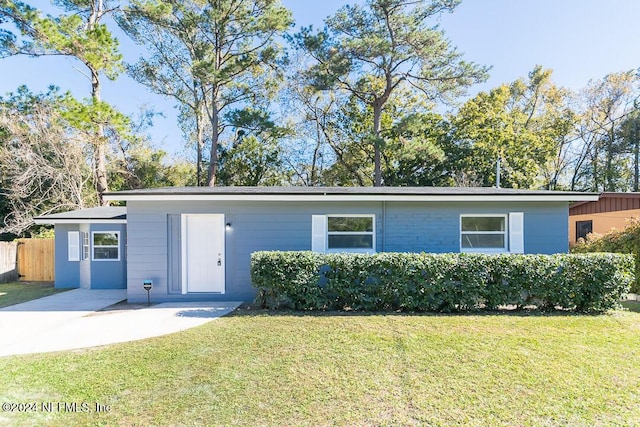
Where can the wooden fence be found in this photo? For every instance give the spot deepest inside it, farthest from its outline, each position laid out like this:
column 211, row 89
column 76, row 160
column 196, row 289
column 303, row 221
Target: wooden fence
column 29, row 260
column 8, row 267
column 36, row 260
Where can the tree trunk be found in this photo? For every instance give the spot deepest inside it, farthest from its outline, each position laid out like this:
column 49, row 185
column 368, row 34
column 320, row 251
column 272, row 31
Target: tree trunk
column 99, row 149
column 100, row 156
column 312, row 180
column 199, row 145
column 213, row 158
column 101, row 170
column 377, row 174
column 596, row 171
column 608, row 172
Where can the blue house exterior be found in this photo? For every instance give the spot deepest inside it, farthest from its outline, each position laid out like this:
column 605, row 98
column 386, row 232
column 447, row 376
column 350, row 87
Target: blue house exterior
column 80, row 259
column 195, row 243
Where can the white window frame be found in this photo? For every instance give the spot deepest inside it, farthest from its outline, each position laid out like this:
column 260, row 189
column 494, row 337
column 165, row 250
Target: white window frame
column 505, row 233
column 338, row 233
column 320, row 234
column 93, row 245
column 86, row 247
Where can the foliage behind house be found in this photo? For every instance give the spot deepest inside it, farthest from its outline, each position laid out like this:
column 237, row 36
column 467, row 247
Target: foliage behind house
column 626, row 241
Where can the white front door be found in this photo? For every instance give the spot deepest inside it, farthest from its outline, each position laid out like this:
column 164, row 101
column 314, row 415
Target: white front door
column 203, row 253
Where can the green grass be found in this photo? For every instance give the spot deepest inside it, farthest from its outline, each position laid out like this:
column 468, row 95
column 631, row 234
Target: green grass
column 17, row 292
column 296, row 370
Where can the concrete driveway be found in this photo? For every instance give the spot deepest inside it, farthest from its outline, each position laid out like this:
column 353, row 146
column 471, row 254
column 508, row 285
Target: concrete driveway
column 72, row 320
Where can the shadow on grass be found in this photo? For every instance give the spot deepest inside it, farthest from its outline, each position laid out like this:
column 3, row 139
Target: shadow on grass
column 633, row 306
column 249, row 310
column 202, row 313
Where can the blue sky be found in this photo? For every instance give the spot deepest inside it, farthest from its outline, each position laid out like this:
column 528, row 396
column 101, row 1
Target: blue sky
column 578, row 39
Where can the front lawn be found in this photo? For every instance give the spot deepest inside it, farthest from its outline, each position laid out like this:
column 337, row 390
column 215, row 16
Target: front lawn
column 256, row 368
column 17, row 292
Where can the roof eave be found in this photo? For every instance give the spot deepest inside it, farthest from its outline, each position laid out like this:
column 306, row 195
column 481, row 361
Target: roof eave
column 54, row 221
column 563, row 197
column 634, row 195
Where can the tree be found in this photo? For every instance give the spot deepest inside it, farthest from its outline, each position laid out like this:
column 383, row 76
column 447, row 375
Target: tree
column 550, row 114
column 81, row 35
column 630, row 133
column 42, row 159
column 312, row 116
column 135, row 162
column 374, row 50
column 338, row 148
column 413, row 152
column 145, row 167
column 525, row 124
column 168, row 69
column 212, row 56
column 419, row 152
column 254, row 157
column 352, row 143
column 606, row 103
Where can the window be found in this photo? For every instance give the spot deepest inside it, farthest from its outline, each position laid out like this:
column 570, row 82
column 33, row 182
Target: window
column 343, row 233
column 483, row 233
column 349, row 232
column 106, row 246
column 85, row 245
column 583, row 228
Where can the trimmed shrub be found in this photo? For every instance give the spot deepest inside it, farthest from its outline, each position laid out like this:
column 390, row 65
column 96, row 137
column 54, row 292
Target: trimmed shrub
column 440, row 282
column 288, row 279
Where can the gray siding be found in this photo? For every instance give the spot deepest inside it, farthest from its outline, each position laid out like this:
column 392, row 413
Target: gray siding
column 146, row 252
column 255, row 226
column 421, row 227
column 435, row 227
column 154, row 240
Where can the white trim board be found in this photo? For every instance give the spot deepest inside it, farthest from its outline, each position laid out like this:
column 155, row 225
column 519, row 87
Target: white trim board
column 353, row 197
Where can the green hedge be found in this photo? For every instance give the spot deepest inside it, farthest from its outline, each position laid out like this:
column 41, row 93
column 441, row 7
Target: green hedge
column 440, row 282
